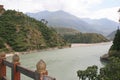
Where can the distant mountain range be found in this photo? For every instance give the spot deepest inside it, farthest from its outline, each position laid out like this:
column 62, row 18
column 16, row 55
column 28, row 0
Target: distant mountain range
column 67, row 20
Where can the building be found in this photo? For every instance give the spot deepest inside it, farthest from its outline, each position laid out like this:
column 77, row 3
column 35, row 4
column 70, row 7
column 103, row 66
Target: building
column 1, row 7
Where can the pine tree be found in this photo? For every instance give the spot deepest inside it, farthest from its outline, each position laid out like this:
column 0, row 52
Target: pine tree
column 115, row 48
column 116, row 41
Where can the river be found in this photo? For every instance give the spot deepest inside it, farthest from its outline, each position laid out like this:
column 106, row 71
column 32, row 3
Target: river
column 63, row 63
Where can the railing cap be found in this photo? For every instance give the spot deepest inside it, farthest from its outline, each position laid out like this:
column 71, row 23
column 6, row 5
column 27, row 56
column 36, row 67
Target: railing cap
column 41, row 67
column 2, row 54
column 15, row 58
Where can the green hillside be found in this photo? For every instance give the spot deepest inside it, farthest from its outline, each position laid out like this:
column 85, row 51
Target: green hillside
column 85, row 38
column 74, row 36
column 63, row 31
column 18, row 32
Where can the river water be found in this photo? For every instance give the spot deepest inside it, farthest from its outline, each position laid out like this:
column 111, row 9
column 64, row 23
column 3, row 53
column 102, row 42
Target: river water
column 63, row 63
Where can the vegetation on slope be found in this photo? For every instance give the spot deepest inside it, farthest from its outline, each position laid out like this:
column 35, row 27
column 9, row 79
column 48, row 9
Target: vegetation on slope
column 63, row 31
column 85, row 38
column 110, row 72
column 74, row 36
column 18, row 32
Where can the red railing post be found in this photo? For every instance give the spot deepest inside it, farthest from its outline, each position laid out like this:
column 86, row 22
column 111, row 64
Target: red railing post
column 2, row 66
column 15, row 73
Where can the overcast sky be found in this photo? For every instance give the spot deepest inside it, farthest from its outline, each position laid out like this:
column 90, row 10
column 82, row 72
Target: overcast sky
column 81, row 8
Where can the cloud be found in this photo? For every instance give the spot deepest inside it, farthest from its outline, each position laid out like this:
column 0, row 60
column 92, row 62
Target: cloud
column 110, row 13
column 51, row 5
column 22, row 5
column 79, row 8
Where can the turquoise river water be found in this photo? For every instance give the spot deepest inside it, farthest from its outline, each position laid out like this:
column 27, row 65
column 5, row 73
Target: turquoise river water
column 63, row 63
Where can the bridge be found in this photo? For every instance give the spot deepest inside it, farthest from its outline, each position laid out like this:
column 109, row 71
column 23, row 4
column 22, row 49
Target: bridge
column 16, row 69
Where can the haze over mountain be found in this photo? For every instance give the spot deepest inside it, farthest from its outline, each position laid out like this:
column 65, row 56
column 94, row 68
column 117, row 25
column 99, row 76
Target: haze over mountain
column 64, row 19
column 111, row 36
column 105, row 25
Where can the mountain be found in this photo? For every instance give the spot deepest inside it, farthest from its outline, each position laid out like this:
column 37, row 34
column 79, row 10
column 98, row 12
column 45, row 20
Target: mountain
column 18, row 32
column 105, row 25
column 75, row 36
column 64, row 19
column 111, row 36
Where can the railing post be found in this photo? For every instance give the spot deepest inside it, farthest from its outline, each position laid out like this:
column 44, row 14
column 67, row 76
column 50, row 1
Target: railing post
column 15, row 73
column 41, row 69
column 2, row 66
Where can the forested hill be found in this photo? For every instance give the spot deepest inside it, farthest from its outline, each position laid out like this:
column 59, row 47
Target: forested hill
column 62, row 31
column 75, row 36
column 18, row 32
column 85, row 38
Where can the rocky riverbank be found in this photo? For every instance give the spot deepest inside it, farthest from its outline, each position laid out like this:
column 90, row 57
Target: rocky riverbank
column 104, row 57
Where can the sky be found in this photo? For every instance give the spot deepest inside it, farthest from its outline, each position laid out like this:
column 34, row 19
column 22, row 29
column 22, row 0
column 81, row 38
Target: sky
column 94, row 9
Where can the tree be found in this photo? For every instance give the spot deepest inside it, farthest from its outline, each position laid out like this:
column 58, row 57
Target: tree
column 115, row 48
column 116, row 41
column 90, row 73
column 112, row 70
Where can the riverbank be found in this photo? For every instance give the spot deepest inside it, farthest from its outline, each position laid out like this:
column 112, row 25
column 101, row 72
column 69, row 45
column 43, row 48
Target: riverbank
column 104, row 58
column 49, row 49
column 89, row 44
